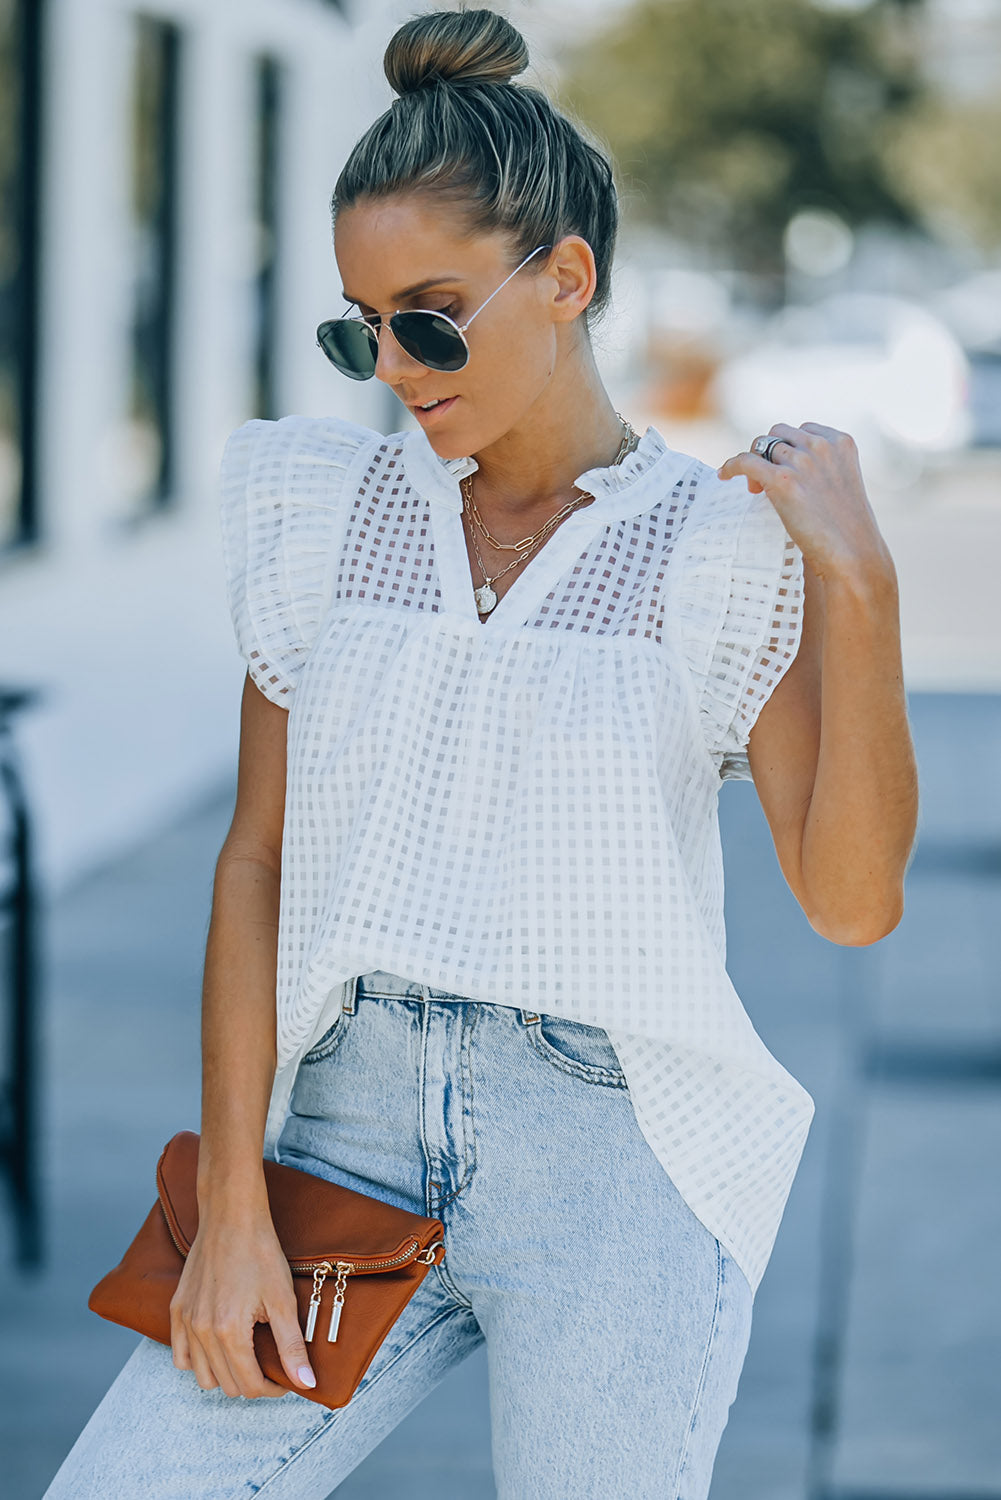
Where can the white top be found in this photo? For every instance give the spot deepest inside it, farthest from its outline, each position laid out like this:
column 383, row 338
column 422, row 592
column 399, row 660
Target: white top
column 523, row 810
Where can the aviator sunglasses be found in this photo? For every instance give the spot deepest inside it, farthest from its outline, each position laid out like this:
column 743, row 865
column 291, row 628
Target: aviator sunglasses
column 432, row 338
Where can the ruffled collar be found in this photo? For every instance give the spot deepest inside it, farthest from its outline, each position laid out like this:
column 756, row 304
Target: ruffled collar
column 644, row 476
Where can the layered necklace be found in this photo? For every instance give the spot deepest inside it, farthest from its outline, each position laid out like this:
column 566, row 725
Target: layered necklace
column 485, row 595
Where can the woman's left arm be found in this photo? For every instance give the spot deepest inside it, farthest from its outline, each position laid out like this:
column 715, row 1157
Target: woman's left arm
column 831, row 751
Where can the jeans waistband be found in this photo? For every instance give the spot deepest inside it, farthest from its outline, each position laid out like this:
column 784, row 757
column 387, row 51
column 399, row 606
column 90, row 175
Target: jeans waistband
column 380, row 982
column 397, row 987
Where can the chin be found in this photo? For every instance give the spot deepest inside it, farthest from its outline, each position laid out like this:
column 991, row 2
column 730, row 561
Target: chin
column 448, row 447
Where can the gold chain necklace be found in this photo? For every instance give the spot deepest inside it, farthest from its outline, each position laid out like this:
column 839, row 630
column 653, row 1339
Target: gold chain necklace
column 485, row 595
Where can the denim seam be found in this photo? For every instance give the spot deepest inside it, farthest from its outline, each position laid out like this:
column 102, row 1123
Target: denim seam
column 700, row 1386
column 590, row 1072
column 336, row 1030
column 450, row 1290
column 424, row 1146
column 466, row 1062
column 468, row 1166
column 325, row 1422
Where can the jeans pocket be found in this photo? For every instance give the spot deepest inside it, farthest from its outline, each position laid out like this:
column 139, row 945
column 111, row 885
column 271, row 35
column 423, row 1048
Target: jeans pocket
column 329, row 1042
column 576, row 1048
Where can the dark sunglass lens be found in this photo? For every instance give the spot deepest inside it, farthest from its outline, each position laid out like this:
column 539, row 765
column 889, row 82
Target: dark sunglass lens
column 431, row 339
column 350, row 345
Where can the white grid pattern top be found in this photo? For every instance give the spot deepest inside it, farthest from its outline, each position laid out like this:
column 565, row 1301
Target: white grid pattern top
column 523, row 810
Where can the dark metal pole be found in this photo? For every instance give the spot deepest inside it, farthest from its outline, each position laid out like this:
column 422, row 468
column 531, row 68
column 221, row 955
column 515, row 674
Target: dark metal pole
column 19, row 1134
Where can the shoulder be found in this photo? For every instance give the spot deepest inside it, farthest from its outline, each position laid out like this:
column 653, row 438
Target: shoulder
column 725, row 516
column 277, row 456
column 280, row 492
column 736, row 608
column 280, row 488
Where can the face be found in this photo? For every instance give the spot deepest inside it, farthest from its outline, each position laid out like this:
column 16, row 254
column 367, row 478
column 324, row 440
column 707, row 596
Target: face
column 386, row 247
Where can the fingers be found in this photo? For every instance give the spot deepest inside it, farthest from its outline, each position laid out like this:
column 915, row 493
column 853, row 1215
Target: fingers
column 213, row 1313
column 759, row 472
column 186, row 1347
column 221, row 1357
column 809, row 437
column 211, row 1365
column 830, row 434
column 196, row 1348
column 226, row 1358
column 798, row 450
column 234, row 1349
column 289, row 1341
column 790, row 442
column 792, row 437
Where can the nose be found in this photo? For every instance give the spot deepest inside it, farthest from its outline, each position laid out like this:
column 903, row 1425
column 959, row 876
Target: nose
column 393, row 363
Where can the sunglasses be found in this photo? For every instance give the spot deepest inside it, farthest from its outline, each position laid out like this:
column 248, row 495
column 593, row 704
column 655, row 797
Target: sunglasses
column 432, row 338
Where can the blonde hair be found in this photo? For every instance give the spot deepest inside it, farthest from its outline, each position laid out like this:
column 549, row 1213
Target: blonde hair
column 497, row 151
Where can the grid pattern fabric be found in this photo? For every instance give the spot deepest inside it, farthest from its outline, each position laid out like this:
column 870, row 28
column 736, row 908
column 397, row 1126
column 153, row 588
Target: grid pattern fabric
column 522, row 810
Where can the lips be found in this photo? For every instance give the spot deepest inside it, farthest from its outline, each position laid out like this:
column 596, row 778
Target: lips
column 435, row 411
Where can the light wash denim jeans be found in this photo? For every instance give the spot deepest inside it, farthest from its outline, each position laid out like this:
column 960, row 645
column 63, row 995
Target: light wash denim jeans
column 615, row 1324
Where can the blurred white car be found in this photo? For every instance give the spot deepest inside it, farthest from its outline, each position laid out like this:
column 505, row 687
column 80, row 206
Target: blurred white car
column 971, row 308
column 882, row 368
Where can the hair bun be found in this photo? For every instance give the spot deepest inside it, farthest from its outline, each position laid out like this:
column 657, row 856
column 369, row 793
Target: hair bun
column 454, row 46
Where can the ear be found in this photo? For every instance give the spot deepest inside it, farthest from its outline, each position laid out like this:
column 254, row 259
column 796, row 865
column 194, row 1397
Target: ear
column 572, row 276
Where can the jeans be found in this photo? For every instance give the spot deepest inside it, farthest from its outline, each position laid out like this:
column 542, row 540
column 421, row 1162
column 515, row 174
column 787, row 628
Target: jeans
column 615, row 1323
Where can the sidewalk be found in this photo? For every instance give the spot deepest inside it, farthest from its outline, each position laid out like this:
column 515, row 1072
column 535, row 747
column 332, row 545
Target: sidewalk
column 873, row 1371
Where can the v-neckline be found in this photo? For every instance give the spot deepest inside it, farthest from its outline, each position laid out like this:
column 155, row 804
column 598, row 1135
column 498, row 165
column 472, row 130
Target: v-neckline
column 644, row 477
column 532, row 584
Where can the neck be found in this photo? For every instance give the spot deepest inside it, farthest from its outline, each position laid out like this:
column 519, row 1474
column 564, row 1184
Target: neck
column 571, row 428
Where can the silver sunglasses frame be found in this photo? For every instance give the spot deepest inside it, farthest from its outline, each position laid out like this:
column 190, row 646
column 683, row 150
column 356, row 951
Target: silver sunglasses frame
column 432, row 312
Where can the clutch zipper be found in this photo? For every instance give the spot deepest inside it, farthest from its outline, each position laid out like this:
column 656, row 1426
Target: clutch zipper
column 344, row 1268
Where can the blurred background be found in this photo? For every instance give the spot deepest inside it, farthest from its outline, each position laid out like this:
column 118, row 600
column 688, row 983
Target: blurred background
column 811, row 199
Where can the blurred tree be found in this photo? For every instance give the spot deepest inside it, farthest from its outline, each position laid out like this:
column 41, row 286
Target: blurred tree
column 946, row 162
column 729, row 116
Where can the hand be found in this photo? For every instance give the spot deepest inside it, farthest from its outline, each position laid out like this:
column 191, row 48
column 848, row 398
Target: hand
column 814, row 481
column 234, row 1276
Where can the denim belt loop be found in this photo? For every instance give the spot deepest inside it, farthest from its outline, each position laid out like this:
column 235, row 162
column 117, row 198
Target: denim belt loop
column 348, row 1004
column 528, row 1017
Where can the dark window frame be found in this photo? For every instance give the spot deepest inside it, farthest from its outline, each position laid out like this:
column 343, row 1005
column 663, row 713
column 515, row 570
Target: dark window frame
column 270, row 90
column 155, row 105
column 20, row 317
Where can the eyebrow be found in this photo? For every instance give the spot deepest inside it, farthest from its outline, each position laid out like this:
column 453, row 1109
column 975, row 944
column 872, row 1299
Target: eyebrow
column 411, row 291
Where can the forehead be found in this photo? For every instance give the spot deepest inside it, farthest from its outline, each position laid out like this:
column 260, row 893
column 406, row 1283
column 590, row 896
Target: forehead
column 383, row 246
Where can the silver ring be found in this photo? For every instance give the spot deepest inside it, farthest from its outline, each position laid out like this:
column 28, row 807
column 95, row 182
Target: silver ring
column 765, row 446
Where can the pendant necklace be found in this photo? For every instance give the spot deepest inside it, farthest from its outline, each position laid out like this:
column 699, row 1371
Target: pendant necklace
column 486, row 595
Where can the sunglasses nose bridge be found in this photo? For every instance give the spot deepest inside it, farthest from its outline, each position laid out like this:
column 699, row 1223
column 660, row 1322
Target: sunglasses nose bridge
column 397, row 355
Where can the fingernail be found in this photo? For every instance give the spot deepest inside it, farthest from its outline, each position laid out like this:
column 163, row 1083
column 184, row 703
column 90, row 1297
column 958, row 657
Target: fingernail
column 306, row 1375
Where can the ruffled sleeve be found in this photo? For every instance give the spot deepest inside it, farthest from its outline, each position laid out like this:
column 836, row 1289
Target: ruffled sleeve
column 280, row 504
column 738, row 611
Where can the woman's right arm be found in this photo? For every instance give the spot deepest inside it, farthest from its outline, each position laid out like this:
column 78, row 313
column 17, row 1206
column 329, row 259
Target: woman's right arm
column 235, row 1273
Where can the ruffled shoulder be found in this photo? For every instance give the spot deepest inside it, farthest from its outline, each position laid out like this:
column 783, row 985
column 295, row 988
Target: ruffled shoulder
column 737, row 608
column 281, row 484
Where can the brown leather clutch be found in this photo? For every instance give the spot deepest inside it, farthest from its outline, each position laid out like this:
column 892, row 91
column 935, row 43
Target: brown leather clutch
column 355, row 1262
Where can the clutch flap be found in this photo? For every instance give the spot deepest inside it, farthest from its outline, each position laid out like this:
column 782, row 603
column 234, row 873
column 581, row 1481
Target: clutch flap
column 308, row 1212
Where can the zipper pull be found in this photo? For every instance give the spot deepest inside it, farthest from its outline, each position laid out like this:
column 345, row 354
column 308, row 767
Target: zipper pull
column 344, row 1267
column 319, row 1276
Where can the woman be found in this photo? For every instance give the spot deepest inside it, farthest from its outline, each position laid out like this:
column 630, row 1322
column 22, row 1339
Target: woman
column 497, row 669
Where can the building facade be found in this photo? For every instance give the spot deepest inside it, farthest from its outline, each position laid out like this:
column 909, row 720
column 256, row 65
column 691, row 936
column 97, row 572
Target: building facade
column 165, row 257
